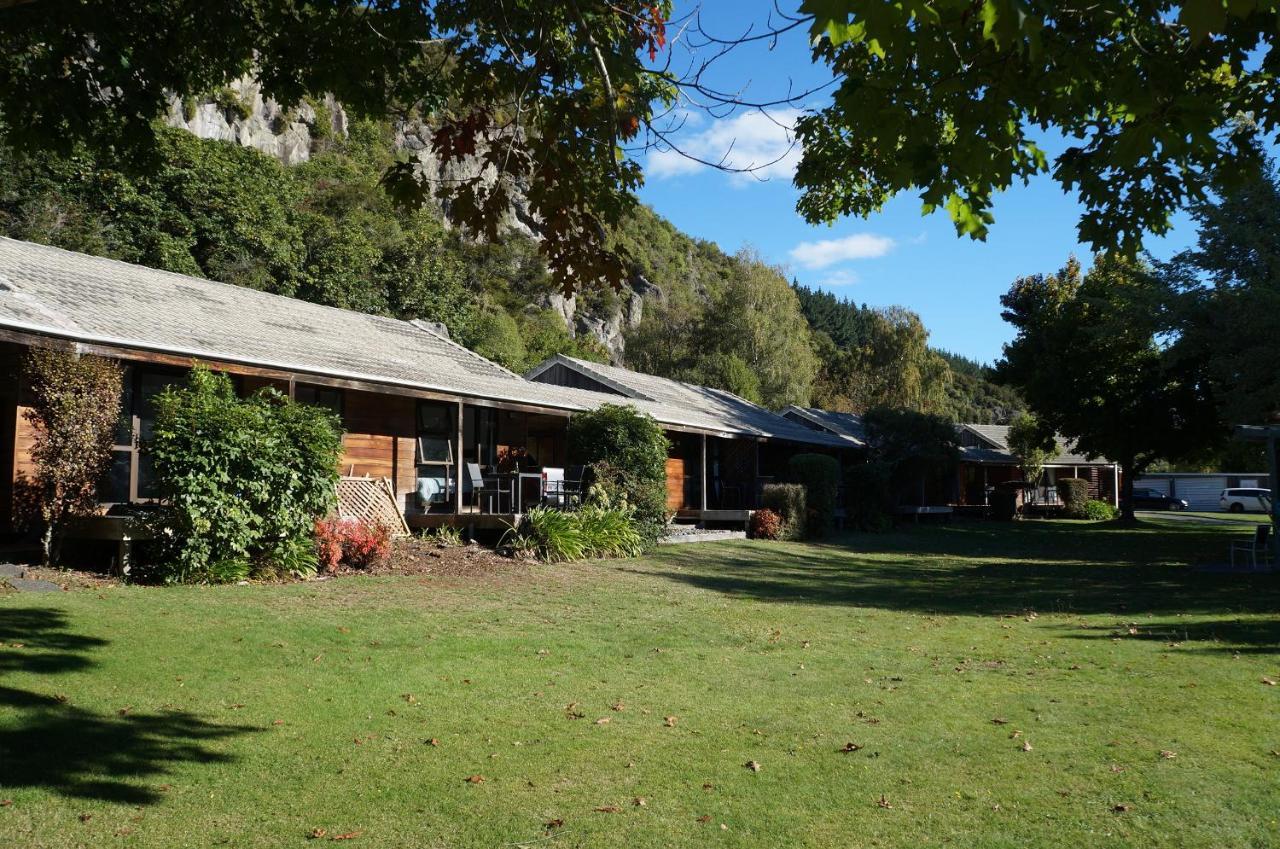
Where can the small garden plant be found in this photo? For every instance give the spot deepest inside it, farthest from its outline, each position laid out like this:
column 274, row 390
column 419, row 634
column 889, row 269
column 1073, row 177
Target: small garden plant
column 354, row 543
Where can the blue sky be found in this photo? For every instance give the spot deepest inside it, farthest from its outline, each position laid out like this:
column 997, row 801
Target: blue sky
column 894, row 257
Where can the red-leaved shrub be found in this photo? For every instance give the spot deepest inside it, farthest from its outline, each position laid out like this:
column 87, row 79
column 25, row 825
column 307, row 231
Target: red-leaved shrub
column 766, row 524
column 354, row 543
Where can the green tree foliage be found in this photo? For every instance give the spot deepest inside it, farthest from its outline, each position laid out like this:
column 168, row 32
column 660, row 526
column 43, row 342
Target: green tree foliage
column 749, row 336
column 541, row 93
column 951, row 98
column 322, row 231
column 873, row 357
column 1088, row 360
column 1228, row 312
column 496, row 335
column 627, row 451
column 244, row 480
column 1033, row 445
column 73, row 408
column 908, row 450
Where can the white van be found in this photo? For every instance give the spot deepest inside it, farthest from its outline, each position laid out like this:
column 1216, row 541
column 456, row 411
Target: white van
column 1241, row 500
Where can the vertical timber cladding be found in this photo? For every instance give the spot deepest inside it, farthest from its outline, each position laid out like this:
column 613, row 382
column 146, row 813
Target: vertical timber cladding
column 12, row 424
column 379, row 438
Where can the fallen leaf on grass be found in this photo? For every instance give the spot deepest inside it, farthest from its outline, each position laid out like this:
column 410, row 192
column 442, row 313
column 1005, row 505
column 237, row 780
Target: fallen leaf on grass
column 639, row 802
column 752, row 765
column 410, row 698
column 882, row 802
column 608, row 809
column 350, row 835
column 475, row 779
column 433, row 742
column 850, row 747
column 999, row 721
column 1167, row 754
column 670, row 721
column 277, row 722
column 1270, row 682
column 1026, row 745
column 317, row 833
column 123, row 831
column 1120, row 809
column 4, row 803
column 617, row 706
column 604, row 720
column 86, row 817
column 571, row 711
column 1117, row 768
column 705, row 818
column 551, row 824
column 707, row 785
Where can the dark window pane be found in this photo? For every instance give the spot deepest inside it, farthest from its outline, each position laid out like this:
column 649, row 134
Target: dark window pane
column 149, row 386
column 124, row 425
column 148, row 486
column 434, row 418
column 319, row 396
column 114, row 486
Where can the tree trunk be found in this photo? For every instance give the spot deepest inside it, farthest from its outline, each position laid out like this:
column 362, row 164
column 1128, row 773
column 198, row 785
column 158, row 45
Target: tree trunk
column 46, row 542
column 1126, row 492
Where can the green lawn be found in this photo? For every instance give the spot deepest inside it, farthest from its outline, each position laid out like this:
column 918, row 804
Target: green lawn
column 1256, row 518
column 250, row 716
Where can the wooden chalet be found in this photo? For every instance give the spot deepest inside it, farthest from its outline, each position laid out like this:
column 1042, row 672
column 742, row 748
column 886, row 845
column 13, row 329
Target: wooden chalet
column 724, row 449
column 417, row 408
column 985, row 460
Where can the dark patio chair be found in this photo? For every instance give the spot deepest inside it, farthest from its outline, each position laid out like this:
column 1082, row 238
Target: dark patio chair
column 481, row 488
column 1255, row 549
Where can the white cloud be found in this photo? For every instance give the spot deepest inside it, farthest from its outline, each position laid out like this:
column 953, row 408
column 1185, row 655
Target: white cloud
column 830, row 251
column 840, row 277
column 763, row 143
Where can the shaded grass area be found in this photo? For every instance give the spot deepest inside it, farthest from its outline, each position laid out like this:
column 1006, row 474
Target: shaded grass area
column 251, row 716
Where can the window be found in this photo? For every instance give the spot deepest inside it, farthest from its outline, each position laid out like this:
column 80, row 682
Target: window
column 131, row 475
column 320, row 396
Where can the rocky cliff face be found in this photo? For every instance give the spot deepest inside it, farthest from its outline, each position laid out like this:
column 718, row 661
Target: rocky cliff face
column 239, row 113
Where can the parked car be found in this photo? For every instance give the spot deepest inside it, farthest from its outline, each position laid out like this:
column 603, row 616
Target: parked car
column 1154, row 499
column 1240, row 500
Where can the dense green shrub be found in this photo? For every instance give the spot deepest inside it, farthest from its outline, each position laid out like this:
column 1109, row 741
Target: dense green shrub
column 1073, row 493
column 868, row 495
column 1098, row 511
column 626, row 452
column 243, row 480
column 820, row 476
column 789, row 502
column 594, row 531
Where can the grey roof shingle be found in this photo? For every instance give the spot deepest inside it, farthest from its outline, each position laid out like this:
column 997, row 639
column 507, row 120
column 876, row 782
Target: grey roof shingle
column 717, row 405
column 844, row 424
column 997, row 449
column 53, row 292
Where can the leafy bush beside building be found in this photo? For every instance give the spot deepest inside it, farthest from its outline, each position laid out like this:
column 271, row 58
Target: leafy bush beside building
column 243, row 480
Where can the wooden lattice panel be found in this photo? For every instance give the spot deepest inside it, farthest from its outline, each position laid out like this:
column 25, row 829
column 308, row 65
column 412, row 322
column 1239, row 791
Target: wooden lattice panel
column 373, row 500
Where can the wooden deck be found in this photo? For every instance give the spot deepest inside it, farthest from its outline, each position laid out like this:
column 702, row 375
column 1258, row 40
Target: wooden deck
column 474, row 521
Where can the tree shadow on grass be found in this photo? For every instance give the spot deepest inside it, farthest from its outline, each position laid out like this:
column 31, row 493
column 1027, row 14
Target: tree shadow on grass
column 1235, row 636
column 982, row 571
column 49, row 742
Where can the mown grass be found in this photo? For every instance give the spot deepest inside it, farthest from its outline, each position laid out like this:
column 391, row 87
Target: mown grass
column 251, row 716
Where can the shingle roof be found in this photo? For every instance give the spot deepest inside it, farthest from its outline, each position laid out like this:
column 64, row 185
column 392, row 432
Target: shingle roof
column 721, row 409
column 997, row 438
column 53, row 292
column 844, row 424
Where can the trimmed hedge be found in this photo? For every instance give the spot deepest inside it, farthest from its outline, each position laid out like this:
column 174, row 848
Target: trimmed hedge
column 1073, row 493
column 820, row 476
column 788, row 501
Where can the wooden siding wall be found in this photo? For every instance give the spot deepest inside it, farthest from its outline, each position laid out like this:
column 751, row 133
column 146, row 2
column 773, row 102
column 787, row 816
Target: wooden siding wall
column 380, row 439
